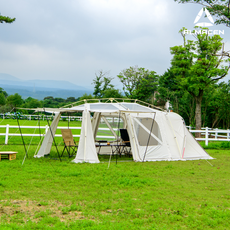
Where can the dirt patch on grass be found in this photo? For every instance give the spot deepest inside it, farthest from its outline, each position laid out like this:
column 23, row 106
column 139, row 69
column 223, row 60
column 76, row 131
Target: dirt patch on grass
column 34, row 211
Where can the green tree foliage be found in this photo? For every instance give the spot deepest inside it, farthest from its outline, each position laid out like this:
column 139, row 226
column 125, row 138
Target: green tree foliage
column 101, row 83
column 218, row 108
column 182, row 102
column 48, row 102
column 138, row 83
column 112, row 93
column 14, row 100
column 168, row 89
column 197, row 65
column 103, row 88
column 6, row 19
column 32, row 103
column 86, row 96
column 3, row 91
column 2, row 99
column 71, row 99
column 51, row 102
column 215, row 103
column 218, row 8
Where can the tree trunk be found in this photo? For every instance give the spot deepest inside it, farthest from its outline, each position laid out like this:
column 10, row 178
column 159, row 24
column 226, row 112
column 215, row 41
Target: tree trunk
column 198, row 113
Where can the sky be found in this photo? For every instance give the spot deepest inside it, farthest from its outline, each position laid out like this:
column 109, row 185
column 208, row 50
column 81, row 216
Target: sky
column 72, row 40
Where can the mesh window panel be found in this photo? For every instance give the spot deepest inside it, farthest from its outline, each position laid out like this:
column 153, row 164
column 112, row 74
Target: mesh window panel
column 143, row 135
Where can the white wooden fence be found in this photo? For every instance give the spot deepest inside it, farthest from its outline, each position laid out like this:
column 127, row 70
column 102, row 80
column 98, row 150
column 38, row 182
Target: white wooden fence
column 36, row 117
column 212, row 135
column 49, row 117
column 207, row 133
column 43, row 130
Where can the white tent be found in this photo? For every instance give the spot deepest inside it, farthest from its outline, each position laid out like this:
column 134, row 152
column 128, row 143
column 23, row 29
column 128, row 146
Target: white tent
column 154, row 135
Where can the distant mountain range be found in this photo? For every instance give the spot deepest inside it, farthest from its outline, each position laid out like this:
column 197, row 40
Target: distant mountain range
column 41, row 88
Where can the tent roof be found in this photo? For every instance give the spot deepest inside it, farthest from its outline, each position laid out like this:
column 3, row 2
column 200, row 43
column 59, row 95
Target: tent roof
column 102, row 108
column 111, row 107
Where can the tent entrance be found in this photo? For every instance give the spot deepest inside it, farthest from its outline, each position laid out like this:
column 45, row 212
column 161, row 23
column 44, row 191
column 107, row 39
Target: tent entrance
column 108, row 128
column 108, row 138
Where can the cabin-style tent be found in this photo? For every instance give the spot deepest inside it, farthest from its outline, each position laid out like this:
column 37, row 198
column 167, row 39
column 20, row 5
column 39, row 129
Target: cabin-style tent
column 154, row 135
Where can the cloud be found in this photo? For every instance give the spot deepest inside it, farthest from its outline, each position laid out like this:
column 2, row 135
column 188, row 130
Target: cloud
column 73, row 39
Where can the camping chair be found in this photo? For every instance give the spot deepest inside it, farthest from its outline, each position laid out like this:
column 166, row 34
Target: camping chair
column 70, row 145
column 125, row 142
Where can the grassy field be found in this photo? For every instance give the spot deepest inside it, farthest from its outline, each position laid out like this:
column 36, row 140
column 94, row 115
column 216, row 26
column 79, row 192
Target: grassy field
column 48, row 194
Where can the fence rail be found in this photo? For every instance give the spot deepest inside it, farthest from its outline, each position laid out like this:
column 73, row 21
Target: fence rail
column 212, row 135
column 36, row 117
column 49, row 117
column 45, row 130
column 207, row 133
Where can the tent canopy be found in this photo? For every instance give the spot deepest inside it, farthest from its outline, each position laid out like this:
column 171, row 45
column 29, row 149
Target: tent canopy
column 154, row 134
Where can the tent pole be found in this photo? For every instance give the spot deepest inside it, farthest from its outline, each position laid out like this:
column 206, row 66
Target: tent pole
column 149, row 137
column 52, row 135
column 21, row 133
column 118, row 130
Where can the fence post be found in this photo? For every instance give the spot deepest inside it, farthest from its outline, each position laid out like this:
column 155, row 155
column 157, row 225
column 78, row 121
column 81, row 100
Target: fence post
column 216, row 133
column 228, row 134
column 206, row 136
column 7, row 134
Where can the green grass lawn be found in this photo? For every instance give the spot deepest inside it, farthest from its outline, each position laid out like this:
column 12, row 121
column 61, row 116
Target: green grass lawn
column 48, row 194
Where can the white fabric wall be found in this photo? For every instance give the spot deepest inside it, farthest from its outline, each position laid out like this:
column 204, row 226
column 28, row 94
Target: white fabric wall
column 48, row 139
column 177, row 142
column 86, row 151
column 95, row 123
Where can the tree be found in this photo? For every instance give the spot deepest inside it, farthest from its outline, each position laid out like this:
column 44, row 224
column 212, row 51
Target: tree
column 138, row 83
column 182, row 102
column 220, row 9
column 218, row 109
column 102, row 82
column 32, row 103
column 59, row 99
column 197, row 64
column 112, row 93
column 49, row 98
column 14, row 100
column 6, row 19
column 86, row 96
column 3, row 91
column 2, row 99
column 71, row 99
